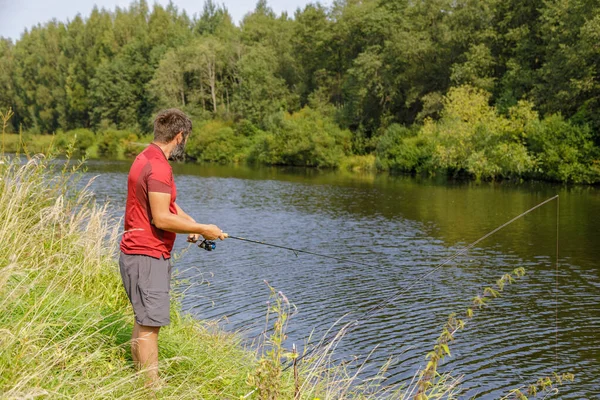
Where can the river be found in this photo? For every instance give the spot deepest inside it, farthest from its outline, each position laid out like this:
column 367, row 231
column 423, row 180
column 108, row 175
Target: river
column 403, row 227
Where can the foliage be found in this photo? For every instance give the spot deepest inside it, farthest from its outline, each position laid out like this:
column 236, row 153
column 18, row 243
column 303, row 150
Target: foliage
column 565, row 152
column 471, row 137
column 400, row 149
column 305, row 138
column 368, row 65
column 366, row 163
column 83, row 139
column 5, row 117
column 114, row 144
column 544, row 386
column 266, row 379
column 455, row 324
column 216, row 141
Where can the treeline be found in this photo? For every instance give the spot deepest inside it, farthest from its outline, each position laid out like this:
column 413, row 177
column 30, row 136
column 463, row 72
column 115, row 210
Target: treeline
column 490, row 89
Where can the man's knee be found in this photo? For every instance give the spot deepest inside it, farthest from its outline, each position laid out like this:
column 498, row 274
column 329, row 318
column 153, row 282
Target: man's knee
column 148, row 331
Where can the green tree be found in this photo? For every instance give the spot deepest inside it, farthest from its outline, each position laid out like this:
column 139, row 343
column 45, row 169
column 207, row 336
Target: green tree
column 566, row 76
column 168, row 84
column 259, row 91
column 118, row 90
column 40, row 70
column 212, row 19
column 7, row 93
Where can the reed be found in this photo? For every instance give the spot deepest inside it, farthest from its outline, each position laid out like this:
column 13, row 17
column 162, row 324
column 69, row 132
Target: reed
column 65, row 321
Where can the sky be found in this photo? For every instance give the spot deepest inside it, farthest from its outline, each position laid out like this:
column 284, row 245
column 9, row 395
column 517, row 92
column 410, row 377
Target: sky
column 17, row 15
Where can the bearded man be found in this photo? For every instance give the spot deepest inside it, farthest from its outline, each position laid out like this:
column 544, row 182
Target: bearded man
column 152, row 220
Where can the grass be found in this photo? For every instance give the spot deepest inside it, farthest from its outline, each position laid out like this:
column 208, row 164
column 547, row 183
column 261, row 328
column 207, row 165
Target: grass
column 27, row 143
column 65, row 321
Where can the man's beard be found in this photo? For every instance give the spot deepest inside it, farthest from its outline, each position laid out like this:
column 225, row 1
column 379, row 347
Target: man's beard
column 178, row 153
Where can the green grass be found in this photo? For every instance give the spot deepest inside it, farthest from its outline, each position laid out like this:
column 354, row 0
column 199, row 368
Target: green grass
column 27, row 143
column 65, row 321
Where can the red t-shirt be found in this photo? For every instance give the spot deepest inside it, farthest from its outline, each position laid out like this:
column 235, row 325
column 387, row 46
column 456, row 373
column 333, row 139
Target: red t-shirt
column 150, row 172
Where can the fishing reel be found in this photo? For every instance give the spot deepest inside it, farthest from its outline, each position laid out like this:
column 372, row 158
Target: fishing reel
column 207, row 245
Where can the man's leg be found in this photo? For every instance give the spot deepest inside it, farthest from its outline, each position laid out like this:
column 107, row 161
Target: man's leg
column 147, row 351
column 135, row 335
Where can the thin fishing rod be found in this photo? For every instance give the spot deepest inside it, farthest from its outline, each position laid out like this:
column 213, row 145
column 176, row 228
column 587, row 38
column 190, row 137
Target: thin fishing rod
column 373, row 310
column 296, row 251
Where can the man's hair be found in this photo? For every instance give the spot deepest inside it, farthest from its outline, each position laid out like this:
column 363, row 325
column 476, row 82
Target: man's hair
column 168, row 123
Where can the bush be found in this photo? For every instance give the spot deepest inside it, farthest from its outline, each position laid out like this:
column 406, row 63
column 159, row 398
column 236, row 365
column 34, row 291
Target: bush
column 216, row 141
column 82, row 139
column 399, row 149
column 356, row 163
column 564, row 152
column 115, row 144
column 472, row 138
column 306, row 138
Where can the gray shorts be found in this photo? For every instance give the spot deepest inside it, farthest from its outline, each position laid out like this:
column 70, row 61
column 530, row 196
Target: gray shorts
column 147, row 282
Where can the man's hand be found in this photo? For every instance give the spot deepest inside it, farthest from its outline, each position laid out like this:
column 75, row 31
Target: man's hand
column 193, row 238
column 213, row 232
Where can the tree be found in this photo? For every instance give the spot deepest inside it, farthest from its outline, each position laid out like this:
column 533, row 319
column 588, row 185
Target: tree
column 169, row 84
column 212, row 19
column 259, row 91
column 40, row 70
column 118, row 90
column 7, row 93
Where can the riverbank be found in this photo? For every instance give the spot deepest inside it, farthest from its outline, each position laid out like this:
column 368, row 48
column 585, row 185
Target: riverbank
column 64, row 318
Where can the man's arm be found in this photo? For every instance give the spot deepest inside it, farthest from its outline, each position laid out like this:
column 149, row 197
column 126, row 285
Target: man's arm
column 182, row 213
column 163, row 219
column 193, row 237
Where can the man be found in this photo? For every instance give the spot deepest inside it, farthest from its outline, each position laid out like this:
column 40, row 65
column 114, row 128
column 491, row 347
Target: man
column 152, row 220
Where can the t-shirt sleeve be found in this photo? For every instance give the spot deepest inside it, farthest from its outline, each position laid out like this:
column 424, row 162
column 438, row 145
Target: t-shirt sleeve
column 160, row 180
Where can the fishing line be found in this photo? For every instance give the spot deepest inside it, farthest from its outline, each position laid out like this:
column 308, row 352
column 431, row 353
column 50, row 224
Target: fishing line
column 378, row 307
column 556, row 288
column 297, row 251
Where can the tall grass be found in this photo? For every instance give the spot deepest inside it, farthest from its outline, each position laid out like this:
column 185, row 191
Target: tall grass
column 65, row 321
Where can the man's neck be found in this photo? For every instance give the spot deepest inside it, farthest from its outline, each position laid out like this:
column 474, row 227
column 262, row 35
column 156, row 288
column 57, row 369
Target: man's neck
column 165, row 147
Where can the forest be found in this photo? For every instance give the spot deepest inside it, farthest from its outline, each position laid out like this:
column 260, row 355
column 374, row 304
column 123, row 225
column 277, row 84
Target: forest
column 484, row 89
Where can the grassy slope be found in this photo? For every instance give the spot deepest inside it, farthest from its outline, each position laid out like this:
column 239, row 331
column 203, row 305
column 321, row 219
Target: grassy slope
column 64, row 318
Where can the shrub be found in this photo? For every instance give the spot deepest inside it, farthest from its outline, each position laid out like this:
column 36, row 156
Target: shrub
column 399, row 149
column 472, row 138
column 356, row 163
column 114, row 144
column 81, row 138
column 216, row 141
column 306, row 138
column 564, row 152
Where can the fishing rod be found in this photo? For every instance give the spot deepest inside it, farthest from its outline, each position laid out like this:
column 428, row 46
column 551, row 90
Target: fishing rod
column 210, row 245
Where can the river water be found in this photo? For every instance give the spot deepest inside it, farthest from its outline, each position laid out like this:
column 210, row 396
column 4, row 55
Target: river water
column 403, row 227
